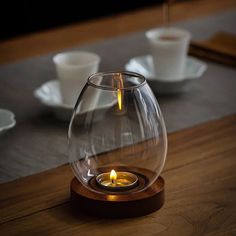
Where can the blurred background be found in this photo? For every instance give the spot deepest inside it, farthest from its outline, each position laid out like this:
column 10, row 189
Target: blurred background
column 22, row 17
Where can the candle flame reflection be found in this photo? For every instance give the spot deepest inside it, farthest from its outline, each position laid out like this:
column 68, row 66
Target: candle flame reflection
column 119, row 98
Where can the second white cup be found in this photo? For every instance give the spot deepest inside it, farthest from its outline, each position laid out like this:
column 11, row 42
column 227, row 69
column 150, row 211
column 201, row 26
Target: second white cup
column 169, row 48
column 73, row 69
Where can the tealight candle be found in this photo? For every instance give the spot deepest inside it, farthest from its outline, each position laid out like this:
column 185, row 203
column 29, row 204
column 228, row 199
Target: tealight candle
column 117, row 181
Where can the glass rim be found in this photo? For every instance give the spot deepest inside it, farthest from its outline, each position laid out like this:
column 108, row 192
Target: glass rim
column 129, row 73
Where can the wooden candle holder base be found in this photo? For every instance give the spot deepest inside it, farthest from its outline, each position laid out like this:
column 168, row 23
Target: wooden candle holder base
column 117, row 205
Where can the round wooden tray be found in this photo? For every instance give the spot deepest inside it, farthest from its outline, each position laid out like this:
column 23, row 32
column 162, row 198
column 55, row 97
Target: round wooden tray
column 117, row 205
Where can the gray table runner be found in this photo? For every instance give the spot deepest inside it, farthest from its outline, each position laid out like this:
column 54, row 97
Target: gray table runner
column 38, row 142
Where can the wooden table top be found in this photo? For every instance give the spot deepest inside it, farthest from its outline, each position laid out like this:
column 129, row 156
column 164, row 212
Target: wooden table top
column 200, row 193
column 199, row 172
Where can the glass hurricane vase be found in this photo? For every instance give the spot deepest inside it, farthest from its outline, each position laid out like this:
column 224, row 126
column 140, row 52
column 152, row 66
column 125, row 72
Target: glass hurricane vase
column 117, row 125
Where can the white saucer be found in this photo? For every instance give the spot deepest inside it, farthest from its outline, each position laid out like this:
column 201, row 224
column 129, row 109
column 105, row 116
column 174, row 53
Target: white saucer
column 7, row 120
column 49, row 95
column 144, row 65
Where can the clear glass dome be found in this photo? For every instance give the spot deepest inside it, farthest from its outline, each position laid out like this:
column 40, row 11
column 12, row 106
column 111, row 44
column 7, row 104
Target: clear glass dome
column 117, row 125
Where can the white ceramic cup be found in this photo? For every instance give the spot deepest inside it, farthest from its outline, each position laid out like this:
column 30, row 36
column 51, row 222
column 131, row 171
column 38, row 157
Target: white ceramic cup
column 169, row 48
column 73, row 69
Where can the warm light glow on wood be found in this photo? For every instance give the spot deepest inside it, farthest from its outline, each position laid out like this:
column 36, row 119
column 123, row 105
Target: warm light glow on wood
column 119, row 98
column 113, row 176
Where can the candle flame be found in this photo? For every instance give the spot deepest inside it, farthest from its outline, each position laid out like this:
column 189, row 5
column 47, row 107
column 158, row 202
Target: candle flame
column 119, row 98
column 113, row 176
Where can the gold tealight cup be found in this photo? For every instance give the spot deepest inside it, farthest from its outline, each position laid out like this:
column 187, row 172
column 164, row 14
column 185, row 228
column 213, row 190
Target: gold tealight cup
column 117, row 181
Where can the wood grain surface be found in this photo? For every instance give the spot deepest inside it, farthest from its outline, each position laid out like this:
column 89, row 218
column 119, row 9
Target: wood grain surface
column 200, row 193
column 94, row 30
